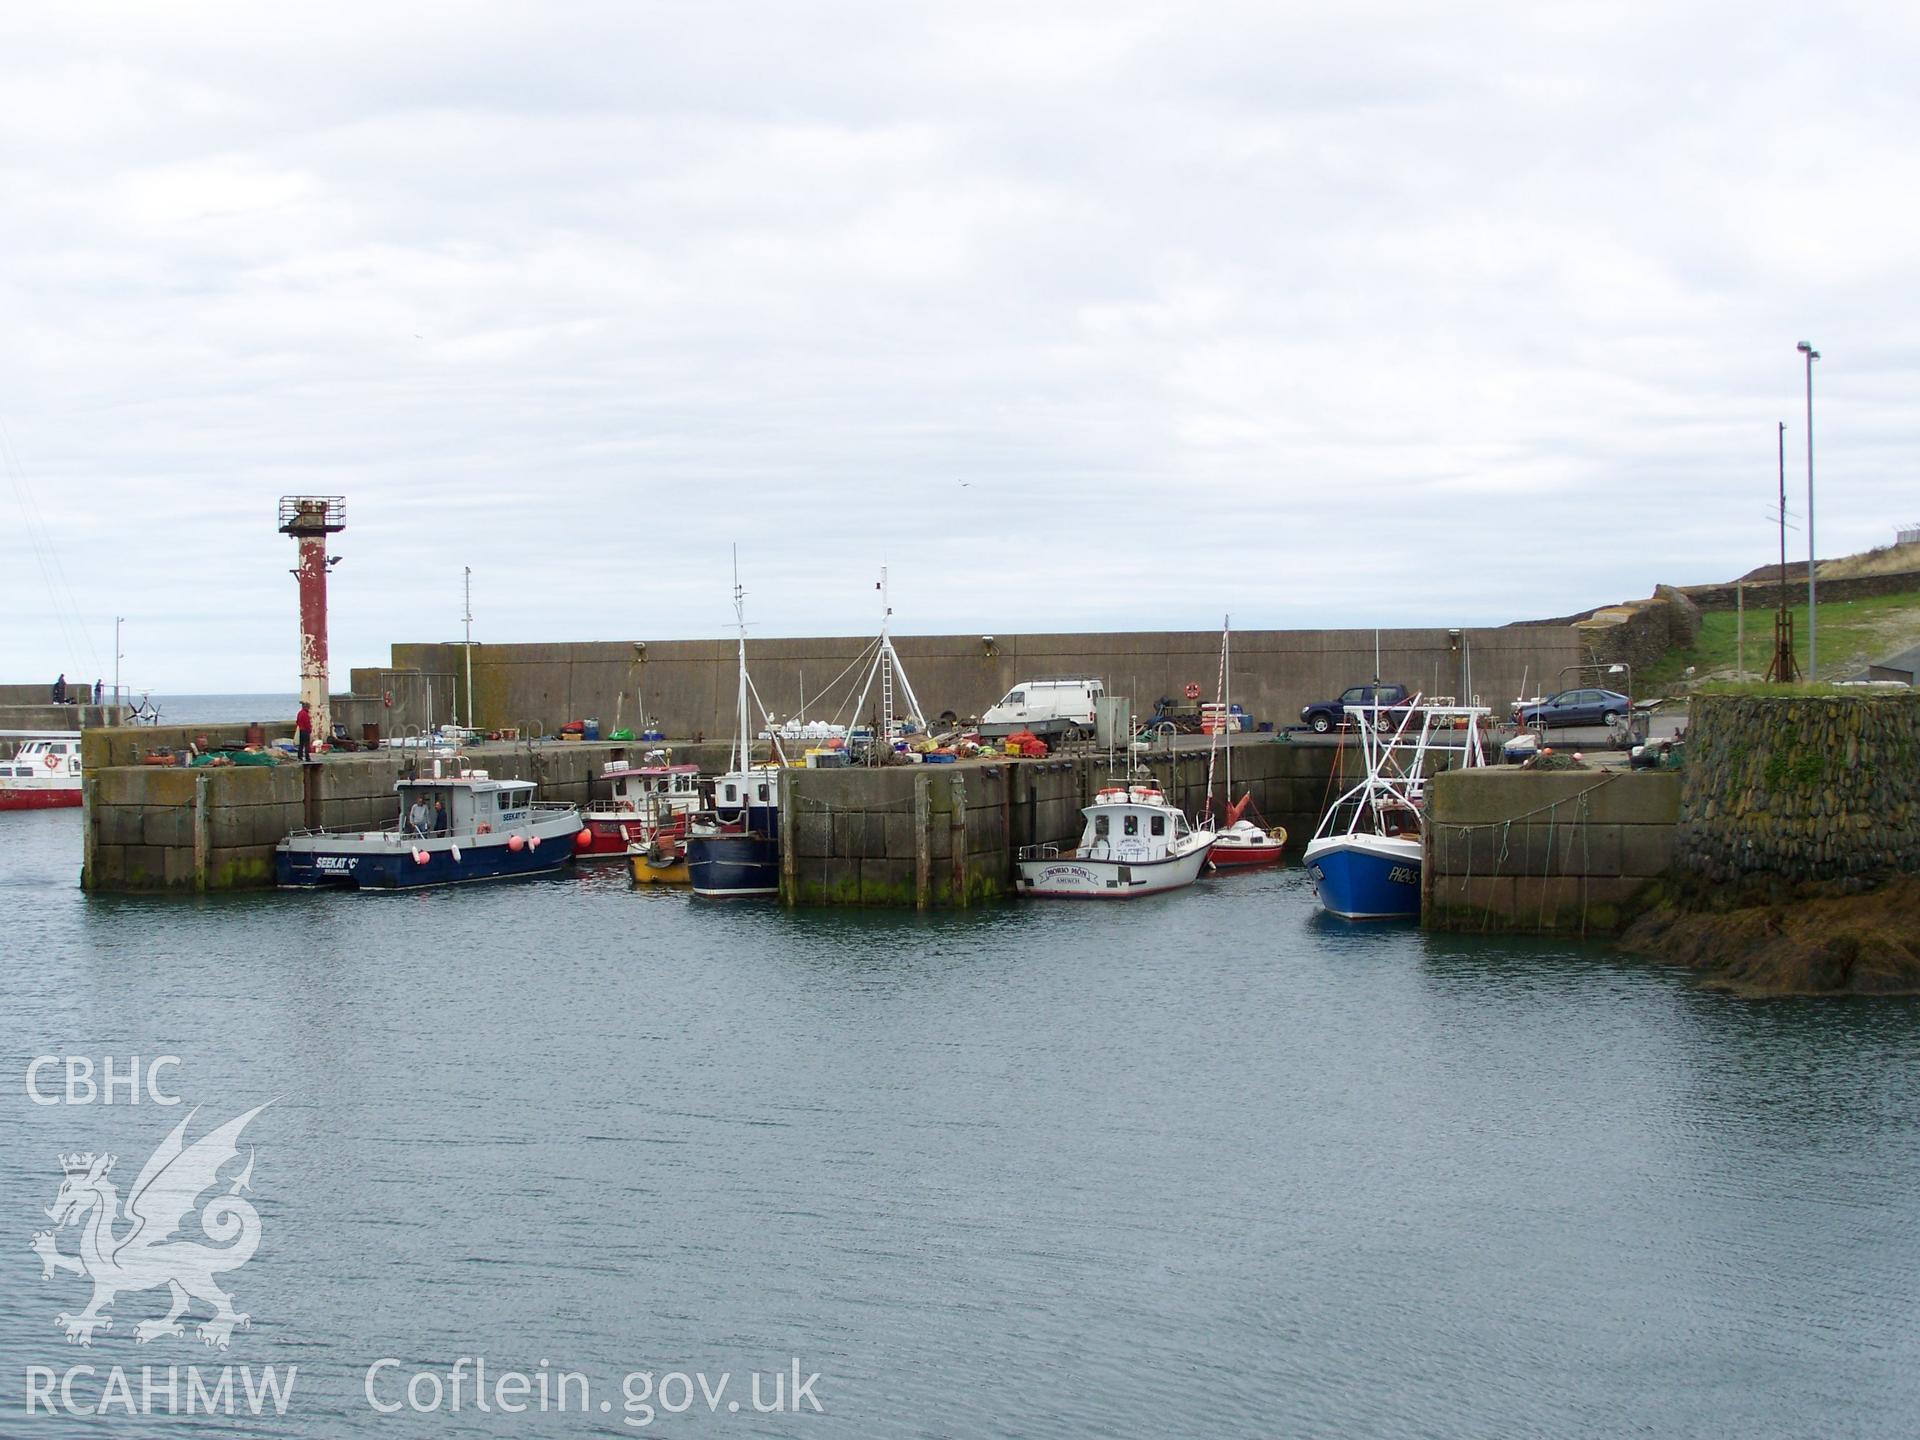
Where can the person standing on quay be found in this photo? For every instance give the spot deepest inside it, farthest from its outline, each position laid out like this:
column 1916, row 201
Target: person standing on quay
column 303, row 727
column 60, row 689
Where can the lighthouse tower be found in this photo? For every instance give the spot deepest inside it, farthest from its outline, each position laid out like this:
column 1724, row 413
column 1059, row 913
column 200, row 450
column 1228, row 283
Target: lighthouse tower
column 310, row 519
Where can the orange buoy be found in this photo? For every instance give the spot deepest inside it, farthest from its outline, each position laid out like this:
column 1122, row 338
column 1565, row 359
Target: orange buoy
column 584, row 838
column 517, row 843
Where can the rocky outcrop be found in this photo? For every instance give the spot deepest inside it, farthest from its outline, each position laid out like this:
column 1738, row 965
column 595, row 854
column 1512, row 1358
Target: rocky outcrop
column 1797, row 856
column 1812, row 942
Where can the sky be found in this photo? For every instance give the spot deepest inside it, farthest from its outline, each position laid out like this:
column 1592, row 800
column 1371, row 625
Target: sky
column 1075, row 316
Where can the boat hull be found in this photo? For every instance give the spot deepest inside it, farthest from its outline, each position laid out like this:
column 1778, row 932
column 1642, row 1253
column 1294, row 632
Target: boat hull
column 316, row 865
column 611, row 835
column 736, row 864
column 1244, row 846
column 48, row 797
column 666, row 868
column 1366, row 877
column 614, row 834
column 1070, row 877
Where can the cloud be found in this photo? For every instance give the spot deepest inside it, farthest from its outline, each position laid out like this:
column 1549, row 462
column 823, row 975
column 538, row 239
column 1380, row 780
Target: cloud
column 1083, row 317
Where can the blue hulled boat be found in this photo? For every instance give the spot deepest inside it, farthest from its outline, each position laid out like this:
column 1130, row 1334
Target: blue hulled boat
column 1365, row 859
column 493, row 830
column 734, row 850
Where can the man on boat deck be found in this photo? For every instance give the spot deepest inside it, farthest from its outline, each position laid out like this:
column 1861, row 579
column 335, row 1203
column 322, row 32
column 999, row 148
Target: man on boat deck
column 419, row 817
column 439, row 816
column 303, row 728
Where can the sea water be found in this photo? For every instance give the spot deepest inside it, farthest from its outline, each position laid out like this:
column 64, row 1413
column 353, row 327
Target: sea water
column 1202, row 1165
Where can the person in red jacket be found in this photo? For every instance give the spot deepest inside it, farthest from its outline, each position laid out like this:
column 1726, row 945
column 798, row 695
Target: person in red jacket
column 303, row 727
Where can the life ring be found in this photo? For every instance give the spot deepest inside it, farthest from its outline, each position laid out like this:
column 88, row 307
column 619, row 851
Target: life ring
column 53, row 762
column 1192, row 692
column 386, row 698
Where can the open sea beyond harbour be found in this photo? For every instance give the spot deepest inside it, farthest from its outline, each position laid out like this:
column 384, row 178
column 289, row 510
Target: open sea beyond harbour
column 1203, row 1165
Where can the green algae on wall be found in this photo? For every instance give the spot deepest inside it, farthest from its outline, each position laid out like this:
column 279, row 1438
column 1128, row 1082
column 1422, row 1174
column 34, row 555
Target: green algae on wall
column 1793, row 788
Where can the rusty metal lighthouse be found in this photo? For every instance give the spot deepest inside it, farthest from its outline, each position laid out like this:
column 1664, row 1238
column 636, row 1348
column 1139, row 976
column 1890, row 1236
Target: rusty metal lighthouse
column 310, row 519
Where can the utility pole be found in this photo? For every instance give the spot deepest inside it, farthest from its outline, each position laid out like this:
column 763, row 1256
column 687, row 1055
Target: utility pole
column 1780, row 670
column 118, row 621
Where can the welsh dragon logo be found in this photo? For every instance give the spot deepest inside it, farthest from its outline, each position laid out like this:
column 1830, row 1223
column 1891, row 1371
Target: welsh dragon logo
column 150, row 1251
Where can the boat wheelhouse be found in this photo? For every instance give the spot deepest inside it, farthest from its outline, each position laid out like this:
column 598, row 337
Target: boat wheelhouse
column 493, row 830
column 43, row 772
column 1135, row 843
column 1365, row 859
column 646, row 800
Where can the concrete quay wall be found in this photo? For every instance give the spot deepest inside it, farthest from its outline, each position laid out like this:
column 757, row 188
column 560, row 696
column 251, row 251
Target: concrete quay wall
column 938, row 836
column 43, row 715
column 688, row 685
column 1553, row 852
column 151, row 827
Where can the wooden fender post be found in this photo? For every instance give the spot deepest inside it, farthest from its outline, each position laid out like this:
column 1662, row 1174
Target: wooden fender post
column 922, row 843
column 959, row 834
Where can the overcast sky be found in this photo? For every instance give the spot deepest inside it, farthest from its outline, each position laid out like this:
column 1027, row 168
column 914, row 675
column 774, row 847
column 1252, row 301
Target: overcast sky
column 1100, row 316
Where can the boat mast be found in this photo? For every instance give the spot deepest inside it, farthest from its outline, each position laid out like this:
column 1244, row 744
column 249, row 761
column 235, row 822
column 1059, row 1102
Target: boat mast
column 1226, row 699
column 466, row 582
column 1213, row 740
column 740, row 615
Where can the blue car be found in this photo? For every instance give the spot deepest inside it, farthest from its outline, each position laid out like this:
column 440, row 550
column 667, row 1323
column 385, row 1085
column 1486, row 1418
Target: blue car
column 1574, row 707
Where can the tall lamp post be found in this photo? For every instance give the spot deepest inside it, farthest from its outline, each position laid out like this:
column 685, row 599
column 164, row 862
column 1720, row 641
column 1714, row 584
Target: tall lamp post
column 1813, row 671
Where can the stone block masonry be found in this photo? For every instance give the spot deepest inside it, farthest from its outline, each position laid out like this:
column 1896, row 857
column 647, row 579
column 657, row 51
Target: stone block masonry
column 215, row 827
column 1554, row 852
column 940, row 836
column 1801, row 788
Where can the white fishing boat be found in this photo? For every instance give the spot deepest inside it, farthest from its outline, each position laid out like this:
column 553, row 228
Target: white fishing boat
column 647, row 799
column 1365, row 859
column 44, row 771
column 1135, row 842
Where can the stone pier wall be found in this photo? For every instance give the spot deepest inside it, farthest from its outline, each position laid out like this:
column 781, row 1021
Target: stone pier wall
column 1554, row 852
column 151, row 827
column 934, row 836
column 1796, row 788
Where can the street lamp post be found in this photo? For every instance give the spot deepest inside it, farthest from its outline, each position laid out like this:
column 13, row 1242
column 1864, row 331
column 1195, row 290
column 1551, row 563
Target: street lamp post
column 1813, row 672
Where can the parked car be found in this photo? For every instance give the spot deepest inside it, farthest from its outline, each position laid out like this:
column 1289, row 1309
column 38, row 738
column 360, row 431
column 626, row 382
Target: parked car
column 1574, row 707
column 1325, row 714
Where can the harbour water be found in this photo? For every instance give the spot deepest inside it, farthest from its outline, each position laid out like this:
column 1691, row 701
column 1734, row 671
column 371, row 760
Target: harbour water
column 1201, row 1165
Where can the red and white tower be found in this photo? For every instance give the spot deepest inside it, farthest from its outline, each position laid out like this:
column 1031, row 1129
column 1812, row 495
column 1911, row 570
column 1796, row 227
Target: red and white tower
column 310, row 519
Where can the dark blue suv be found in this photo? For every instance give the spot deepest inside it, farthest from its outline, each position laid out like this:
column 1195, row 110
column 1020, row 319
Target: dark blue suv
column 1325, row 714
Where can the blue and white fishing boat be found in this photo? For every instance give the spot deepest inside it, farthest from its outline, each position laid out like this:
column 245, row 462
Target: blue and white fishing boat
column 494, row 829
column 1365, row 859
column 734, row 850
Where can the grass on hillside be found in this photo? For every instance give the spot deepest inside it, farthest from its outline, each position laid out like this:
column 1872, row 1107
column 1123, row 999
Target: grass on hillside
column 1853, row 633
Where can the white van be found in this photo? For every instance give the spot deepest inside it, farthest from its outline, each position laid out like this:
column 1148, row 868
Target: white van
column 1061, row 706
